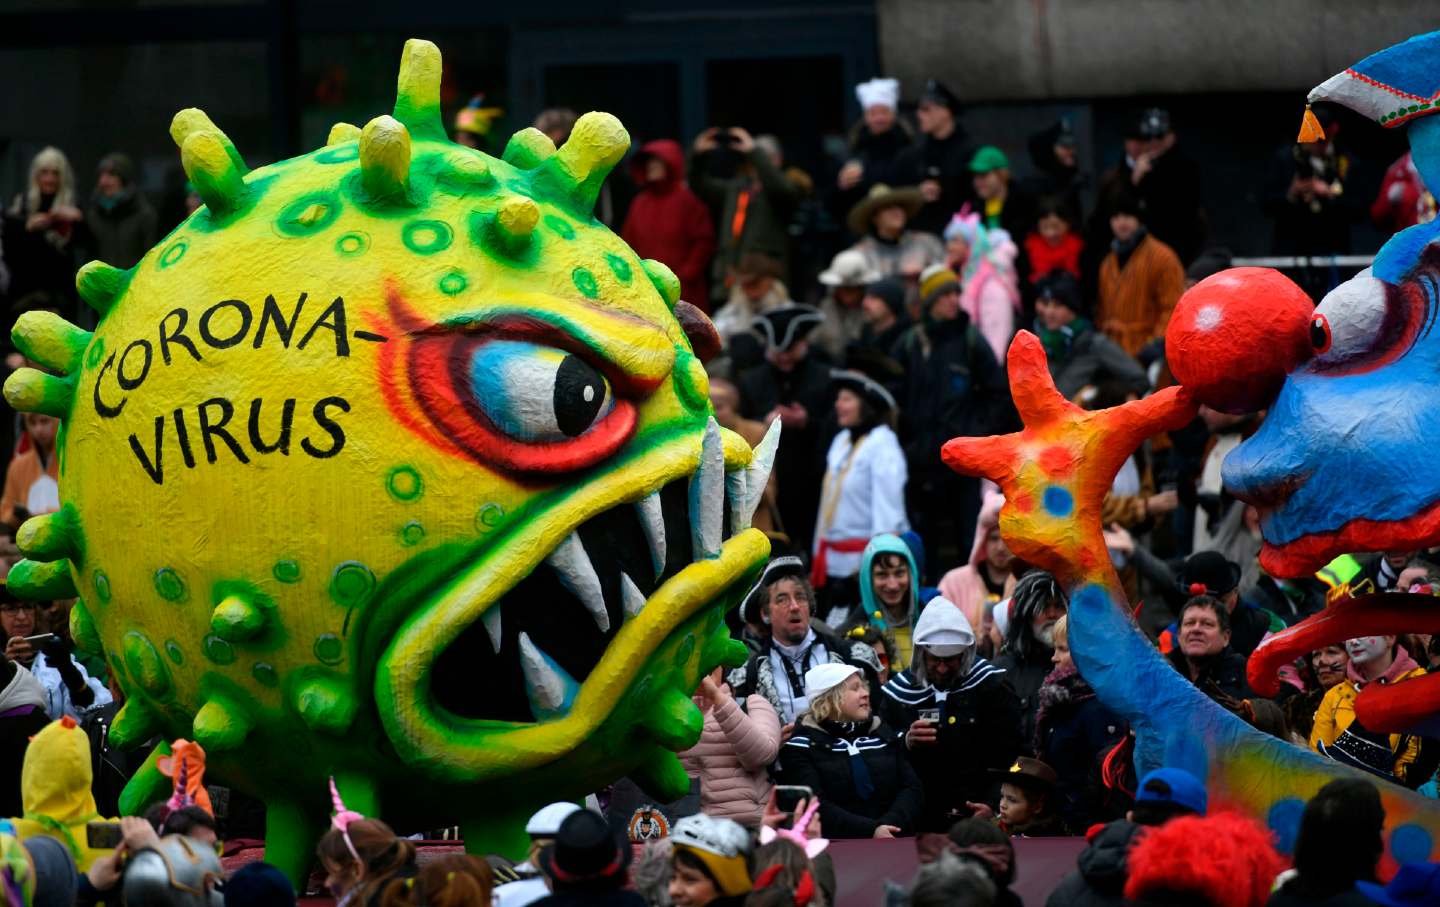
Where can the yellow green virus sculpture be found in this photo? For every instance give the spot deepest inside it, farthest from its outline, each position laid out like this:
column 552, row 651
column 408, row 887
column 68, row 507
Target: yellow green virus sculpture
column 391, row 462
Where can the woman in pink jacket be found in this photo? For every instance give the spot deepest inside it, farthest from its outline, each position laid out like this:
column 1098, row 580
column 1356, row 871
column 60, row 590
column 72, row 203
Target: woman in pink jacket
column 979, row 585
column 734, row 751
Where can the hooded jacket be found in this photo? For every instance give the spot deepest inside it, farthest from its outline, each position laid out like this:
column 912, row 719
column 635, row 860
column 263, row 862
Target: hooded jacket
column 964, row 585
column 22, row 715
column 1100, row 878
column 1337, row 710
column 55, row 790
column 871, row 611
column 669, row 223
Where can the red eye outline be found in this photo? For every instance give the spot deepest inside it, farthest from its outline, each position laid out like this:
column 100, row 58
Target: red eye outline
column 1320, row 335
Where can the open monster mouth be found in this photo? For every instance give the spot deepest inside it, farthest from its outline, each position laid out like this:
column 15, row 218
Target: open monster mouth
column 537, row 664
column 1314, row 550
column 1396, row 709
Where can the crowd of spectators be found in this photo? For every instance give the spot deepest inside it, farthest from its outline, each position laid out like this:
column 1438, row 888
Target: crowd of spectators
column 909, row 676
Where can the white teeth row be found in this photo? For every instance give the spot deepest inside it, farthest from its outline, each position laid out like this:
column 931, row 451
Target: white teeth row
column 712, row 490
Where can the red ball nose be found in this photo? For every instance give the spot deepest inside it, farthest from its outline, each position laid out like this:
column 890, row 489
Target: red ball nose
column 1234, row 336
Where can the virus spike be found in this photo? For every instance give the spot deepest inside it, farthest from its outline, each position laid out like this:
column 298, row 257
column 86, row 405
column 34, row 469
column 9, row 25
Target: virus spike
column 192, row 120
column 50, row 536
column 674, row 721
column 37, row 581
column 51, row 340
column 100, row 285
column 664, row 279
column 222, row 724
column 516, row 220
column 32, row 391
column 528, row 148
column 325, row 704
column 82, row 629
column 341, row 133
column 579, row 167
column 417, row 94
column 385, row 158
column 662, row 776
column 470, row 168
column 135, row 723
column 237, row 618
column 212, row 172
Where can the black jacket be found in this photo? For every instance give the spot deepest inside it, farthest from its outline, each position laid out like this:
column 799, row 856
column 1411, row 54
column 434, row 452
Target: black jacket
column 1286, row 897
column 946, row 160
column 1225, row 673
column 821, row 758
column 1074, row 730
column 1100, row 878
column 1026, row 677
column 1091, row 358
column 979, row 731
column 953, row 387
column 800, row 462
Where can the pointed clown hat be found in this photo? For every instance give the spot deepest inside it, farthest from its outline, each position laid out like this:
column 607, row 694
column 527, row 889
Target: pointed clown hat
column 1392, row 87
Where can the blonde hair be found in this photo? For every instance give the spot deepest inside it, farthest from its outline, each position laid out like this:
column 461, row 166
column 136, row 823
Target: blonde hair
column 49, row 158
column 829, row 705
column 1062, row 630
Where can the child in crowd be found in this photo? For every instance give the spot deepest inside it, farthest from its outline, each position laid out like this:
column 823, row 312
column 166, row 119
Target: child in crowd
column 361, row 857
column 1053, row 245
column 1027, row 800
column 710, row 867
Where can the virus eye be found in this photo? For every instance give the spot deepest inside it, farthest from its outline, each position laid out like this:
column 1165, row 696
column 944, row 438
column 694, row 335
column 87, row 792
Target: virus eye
column 1361, row 324
column 537, row 394
column 1320, row 337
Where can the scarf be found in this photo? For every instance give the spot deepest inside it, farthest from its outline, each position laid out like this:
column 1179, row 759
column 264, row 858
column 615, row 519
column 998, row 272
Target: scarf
column 846, row 731
column 1057, row 343
column 1061, row 693
column 1123, row 250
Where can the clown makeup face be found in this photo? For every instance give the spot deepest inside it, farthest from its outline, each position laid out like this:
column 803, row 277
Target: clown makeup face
column 1329, row 664
column 1366, row 650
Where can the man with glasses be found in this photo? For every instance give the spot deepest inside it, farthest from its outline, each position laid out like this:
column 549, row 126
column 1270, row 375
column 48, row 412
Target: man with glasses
column 959, row 716
column 69, row 689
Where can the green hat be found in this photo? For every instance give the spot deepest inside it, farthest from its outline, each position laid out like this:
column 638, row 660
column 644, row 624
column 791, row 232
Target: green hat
column 989, row 158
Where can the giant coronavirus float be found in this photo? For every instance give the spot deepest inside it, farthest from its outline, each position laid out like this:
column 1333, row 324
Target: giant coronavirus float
column 392, row 463
column 1343, row 463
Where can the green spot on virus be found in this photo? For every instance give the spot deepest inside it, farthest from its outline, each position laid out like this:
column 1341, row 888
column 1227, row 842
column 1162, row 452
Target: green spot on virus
column 559, row 226
column 173, row 253
column 102, row 587
column 286, row 571
column 687, row 649
column 351, row 584
column 412, row 533
column 619, row 267
column 453, row 283
column 489, row 517
column 309, row 214
column 218, row 650
column 404, row 483
column 96, row 353
column 169, row 585
column 426, row 237
column 172, row 648
column 340, row 154
column 352, row 243
column 143, row 661
column 585, row 282
column 265, row 674
column 329, row 649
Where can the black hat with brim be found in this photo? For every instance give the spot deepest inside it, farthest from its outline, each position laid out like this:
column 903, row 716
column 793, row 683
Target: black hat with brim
column 870, row 390
column 784, row 326
column 779, row 568
column 585, row 854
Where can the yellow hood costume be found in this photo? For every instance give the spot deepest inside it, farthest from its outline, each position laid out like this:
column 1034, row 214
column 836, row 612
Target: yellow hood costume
column 55, row 790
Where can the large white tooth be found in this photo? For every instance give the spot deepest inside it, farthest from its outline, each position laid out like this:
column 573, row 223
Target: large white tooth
column 757, row 474
column 652, row 520
column 550, row 689
column 631, row 597
column 735, row 500
column 578, row 575
column 707, row 496
column 491, row 619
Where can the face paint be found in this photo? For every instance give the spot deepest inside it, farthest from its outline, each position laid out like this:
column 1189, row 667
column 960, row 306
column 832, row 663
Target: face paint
column 1364, row 649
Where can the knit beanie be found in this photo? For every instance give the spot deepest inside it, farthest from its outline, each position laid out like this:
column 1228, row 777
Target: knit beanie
column 120, row 164
column 889, row 291
column 934, row 281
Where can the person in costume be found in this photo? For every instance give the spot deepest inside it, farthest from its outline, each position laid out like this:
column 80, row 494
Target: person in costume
column 890, row 248
column 587, row 865
column 55, row 790
column 855, row 764
column 1338, row 734
column 1225, row 859
column 531, row 886
column 889, row 596
column 863, row 491
column 783, row 601
column 984, row 257
column 361, row 857
column 842, row 308
column 1036, row 606
column 874, row 142
column 1027, row 800
column 958, row 716
column 982, row 582
column 709, row 867
column 737, row 744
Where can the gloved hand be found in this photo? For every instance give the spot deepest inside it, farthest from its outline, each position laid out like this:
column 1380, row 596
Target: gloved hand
column 57, row 655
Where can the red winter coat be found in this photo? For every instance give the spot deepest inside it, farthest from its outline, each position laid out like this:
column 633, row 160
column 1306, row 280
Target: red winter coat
column 670, row 223
column 1045, row 258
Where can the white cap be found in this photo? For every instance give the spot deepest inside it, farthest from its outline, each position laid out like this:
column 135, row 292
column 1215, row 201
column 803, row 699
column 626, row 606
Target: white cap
column 1001, row 615
column 826, row 677
column 546, row 822
column 722, row 837
column 943, row 629
column 884, row 92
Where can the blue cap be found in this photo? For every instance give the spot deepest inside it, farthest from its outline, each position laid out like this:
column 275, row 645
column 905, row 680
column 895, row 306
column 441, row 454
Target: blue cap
column 1416, row 885
column 1173, row 785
